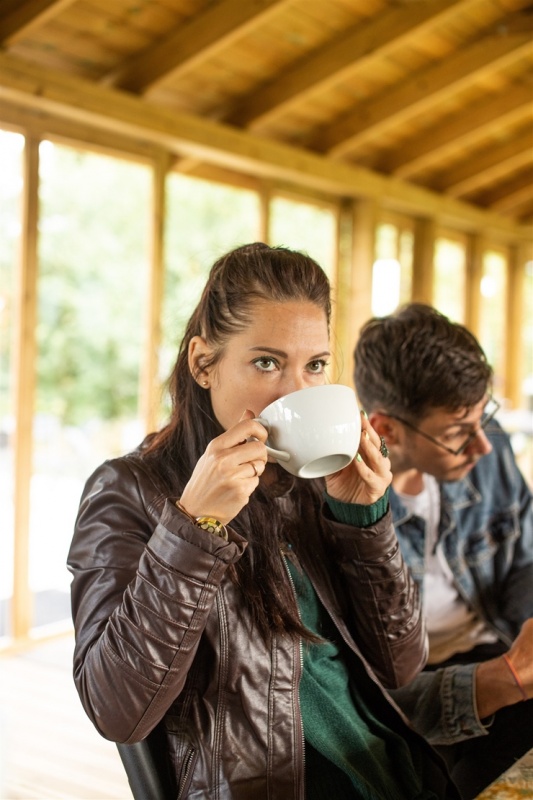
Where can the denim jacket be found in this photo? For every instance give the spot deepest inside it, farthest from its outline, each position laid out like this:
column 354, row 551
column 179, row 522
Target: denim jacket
column 486, row 530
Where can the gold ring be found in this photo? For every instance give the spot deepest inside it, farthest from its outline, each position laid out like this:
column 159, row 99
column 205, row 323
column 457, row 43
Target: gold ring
column 254, row 469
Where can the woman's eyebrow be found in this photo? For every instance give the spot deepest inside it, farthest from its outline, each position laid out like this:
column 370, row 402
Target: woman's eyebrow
column 282, row 354
column 267, row 349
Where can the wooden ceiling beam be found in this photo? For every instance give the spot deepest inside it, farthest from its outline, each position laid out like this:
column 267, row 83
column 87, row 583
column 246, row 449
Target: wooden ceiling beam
column 363, row 43
column 494, row 162
column 193, row 41
column 75, row 99
column 422, row 91
column 511, row 194
column 26, row 15
column 460, row 130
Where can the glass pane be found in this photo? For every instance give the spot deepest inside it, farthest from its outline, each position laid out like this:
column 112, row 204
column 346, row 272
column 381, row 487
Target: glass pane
column 11, row 150
column 449, row 278
column 492, row 316
column 204, row 220
column 306, row 227
column 93, row 246
column 392, row 273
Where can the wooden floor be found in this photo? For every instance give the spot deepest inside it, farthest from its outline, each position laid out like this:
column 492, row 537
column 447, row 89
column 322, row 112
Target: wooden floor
column 49, row 750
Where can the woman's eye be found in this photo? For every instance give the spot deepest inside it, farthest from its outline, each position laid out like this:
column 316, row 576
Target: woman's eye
column 265, row 364
column 317, row 366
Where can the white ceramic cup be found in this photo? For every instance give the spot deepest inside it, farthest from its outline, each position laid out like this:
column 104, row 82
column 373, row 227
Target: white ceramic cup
column 313, row 432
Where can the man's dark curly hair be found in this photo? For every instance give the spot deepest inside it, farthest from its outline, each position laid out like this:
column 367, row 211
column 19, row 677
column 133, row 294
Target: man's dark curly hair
column 416, row 359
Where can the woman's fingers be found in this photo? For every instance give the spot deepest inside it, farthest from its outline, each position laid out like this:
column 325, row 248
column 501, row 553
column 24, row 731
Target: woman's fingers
column 366, row 479
column 372, row 449
column 228, row 472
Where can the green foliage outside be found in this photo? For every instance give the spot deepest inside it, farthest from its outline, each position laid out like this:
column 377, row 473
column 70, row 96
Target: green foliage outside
column 203, row 221
column 93, row 264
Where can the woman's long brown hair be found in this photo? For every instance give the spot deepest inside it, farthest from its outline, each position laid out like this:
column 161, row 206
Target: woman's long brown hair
column 236, row 281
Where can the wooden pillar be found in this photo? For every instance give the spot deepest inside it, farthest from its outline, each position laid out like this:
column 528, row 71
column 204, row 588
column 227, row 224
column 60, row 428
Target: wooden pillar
column 474, row 273
column 24, row 391
column 150, row 389
column 265, row 196
column 423, row 258
column 514, row 343
column 353, row 295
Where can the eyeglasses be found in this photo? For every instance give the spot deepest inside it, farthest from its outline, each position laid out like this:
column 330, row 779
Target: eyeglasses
column 491, row 408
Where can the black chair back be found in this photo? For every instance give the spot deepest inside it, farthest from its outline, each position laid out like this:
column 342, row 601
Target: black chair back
column 147, row 768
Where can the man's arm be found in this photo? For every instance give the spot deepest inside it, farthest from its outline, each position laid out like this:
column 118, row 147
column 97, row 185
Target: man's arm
column 450, row 704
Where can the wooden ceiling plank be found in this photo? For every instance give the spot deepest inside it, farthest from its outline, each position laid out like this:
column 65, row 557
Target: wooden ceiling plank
column 75, row 99
column 421, row 91
column 192, row 42
column 362, row 44
column 510, row 194
column 464, row 128
column 493, row 163
column 28, row 15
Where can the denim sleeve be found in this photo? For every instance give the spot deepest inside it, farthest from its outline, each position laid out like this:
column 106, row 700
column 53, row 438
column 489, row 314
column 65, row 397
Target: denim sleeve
column 441, row 705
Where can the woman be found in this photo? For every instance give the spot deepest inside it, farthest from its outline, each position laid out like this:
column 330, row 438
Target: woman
column 251, row 615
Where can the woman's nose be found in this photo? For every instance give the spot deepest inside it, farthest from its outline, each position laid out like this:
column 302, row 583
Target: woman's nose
column 293, row 383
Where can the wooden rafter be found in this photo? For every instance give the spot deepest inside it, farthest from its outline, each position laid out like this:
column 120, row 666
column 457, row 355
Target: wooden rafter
column 492, row 163
column 462, row 129
column 422, row 91
column 200, row 37
column 345, row 54
column 26, row 15
column 511, row 194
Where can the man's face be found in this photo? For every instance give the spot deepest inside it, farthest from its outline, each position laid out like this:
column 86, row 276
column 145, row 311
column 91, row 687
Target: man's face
column 449, row 429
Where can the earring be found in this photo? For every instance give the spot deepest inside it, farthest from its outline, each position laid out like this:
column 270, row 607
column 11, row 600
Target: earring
column 205, row 383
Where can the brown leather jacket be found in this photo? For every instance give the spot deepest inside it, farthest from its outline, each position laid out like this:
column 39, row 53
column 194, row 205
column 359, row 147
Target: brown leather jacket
column 162, row 635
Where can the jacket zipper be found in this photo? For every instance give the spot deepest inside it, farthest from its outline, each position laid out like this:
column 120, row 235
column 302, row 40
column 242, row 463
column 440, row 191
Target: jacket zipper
column 187, row 768
column 301, row 651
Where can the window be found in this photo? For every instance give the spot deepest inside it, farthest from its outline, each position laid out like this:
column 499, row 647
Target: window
column 393, row 268
column 493, row 313
column 204, row 220
column 449, row 277
column 93, row 248
column 306, row 227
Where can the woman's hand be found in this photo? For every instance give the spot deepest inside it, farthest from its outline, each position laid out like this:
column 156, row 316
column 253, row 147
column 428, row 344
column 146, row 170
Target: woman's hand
column 366, row 479
column 228, row 472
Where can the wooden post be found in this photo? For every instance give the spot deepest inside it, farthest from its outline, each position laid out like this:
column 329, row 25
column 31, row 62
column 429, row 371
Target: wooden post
column 515, row 318
column 423, row 258
column 474, row 272
column 265, row 196
column 149, row 379
column 24, row 391
column 353, row 296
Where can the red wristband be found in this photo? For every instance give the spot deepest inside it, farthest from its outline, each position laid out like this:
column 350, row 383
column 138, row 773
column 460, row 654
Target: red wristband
column 515, row 675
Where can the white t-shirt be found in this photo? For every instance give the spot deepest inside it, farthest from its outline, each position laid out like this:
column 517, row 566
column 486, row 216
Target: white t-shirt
column 452, row 626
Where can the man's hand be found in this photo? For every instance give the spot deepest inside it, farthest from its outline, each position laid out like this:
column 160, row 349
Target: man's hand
column 496, row 686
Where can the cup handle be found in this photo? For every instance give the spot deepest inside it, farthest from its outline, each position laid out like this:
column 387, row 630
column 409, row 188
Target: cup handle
column 279, row 455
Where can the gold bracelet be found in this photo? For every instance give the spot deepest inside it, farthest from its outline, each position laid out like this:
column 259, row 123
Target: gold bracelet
column 213, row 526
column 206, row 523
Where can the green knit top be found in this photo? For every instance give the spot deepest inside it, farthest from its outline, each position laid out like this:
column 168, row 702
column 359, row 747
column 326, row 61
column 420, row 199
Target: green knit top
column 349, row 753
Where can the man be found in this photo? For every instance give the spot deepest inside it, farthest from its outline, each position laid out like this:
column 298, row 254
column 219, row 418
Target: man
column 464, row 518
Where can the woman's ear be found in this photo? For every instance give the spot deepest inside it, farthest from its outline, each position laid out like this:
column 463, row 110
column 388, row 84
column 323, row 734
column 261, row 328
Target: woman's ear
column 199, row 354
